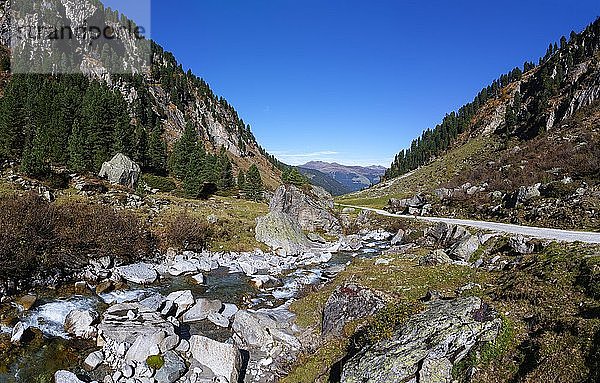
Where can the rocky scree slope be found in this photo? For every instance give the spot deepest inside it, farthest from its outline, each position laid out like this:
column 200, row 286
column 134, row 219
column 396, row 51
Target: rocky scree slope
column 528, row 156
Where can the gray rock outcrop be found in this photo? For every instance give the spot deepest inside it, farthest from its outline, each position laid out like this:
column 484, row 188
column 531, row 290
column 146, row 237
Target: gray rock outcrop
column 427, row 346
column 459, row 243
column 416, row 205
column 436, row 257
column 312, row 209
column 121, row 170
column 348, row 303
column 521, row 245
column 281, row 233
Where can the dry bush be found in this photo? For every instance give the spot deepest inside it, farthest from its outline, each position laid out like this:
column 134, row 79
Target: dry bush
column 184, row 232
column 27, row 235
column 97, row 230
column 37, row 236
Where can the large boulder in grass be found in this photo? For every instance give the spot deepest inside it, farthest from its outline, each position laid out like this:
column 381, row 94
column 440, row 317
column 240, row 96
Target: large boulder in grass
column 282, row 234
column 311, row 207
column 426, row 348
column 348, row 303
column 121, row 170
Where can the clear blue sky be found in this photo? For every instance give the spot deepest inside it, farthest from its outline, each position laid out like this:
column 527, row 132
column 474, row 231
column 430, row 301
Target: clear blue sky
column 355, row 81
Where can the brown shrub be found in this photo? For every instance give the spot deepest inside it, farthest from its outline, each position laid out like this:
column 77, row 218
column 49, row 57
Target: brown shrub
column 37, row 236
column 26, row 234
column 184, row 232
column 97, row 230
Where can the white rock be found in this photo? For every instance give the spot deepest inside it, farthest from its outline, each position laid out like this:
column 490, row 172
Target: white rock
column 140, row 273
column 127, row 371
column 201, row 310
column 198, row 279
column 17, row 332
column 229, row 310
column 183, row 347
column 66, row 377
column 183, row 299
column 218, row 320
column 182, row 267
column 222, row 359
column 169, row 343
column 93, row 360
column 144, row 346
column 79, row 324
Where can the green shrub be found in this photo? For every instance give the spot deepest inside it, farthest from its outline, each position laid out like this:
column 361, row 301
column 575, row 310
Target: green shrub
column 163, row 184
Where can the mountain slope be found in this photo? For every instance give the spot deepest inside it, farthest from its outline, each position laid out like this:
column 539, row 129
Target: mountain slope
column 159, row 103
column 325, row 181
column 353, row 178
column 528, row 155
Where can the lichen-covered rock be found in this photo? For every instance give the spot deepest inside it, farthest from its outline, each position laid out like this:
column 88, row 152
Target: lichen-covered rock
column 312, row 209
column 427, row 346
column 348, row 303
column 263, row 329
column 521, row 245
column 464, row 248
column 436, row 257
column 446, row 235
column 174, row 367
column 281, row 233
column 121, row 170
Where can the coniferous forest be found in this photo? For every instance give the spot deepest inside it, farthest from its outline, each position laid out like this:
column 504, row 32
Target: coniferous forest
column 531, row 121
column 77, row 122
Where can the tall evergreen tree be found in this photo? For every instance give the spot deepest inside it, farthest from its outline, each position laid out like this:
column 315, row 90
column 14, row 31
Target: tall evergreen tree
column 157, row 152
column 241, row 180
column 193, row 182
column 180, row 157
column 226, row 180
column 254, row 185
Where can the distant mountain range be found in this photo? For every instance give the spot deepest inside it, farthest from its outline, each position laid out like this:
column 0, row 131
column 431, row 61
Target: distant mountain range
column 341, row 179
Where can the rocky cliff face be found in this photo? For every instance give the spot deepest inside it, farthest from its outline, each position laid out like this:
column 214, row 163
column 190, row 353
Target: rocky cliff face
column 160, row 92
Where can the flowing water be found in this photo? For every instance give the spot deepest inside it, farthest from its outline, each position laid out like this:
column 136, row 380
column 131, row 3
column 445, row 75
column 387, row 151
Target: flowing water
column 37, row 362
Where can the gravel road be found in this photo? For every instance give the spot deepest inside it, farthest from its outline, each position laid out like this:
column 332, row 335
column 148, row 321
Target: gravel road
column 529, row 231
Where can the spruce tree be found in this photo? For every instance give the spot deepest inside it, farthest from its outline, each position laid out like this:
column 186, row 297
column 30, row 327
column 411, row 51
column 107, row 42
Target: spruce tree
column 180, row 157
column 226, row 181
column 254, row 185
column 12, row 121
column 35, row 157
column 292, row 176
column 193, row 182
column 77, row 149
column 241, row 180
column 157, row 152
